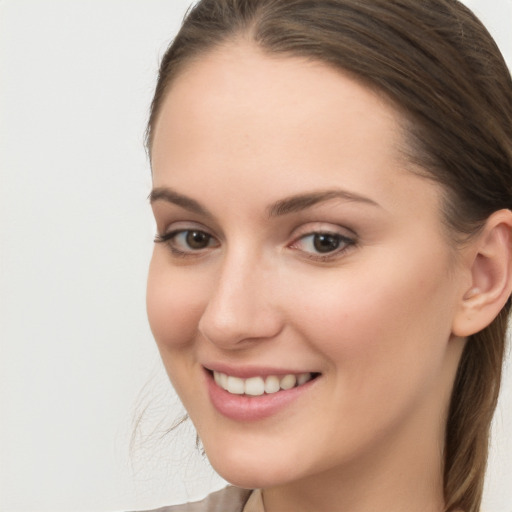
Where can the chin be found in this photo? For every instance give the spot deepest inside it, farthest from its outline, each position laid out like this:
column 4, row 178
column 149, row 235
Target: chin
column 242, row 470
column 252, row 478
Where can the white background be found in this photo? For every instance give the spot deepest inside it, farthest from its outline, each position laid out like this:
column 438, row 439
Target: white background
column 77, row 360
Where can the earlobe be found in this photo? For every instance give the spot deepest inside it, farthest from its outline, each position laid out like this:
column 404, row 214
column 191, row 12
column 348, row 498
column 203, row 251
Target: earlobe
column 491, row 276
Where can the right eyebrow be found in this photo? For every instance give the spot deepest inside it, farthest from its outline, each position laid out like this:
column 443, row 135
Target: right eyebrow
column 171, row 196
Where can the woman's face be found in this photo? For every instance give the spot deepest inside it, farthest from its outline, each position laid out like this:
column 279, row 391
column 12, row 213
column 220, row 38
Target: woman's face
column 297, row 250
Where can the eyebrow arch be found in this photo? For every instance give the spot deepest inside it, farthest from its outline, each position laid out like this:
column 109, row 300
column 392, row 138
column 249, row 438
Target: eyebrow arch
column 303, row 201
column 171, row 196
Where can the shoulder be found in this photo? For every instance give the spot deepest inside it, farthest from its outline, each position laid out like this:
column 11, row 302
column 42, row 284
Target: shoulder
column 229, row 499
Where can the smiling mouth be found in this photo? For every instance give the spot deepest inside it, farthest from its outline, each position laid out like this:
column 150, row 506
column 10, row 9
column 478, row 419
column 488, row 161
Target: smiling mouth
column 258, row 386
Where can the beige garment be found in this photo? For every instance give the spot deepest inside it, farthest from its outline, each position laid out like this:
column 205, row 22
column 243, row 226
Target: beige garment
column 255, row 502
column 229, row 499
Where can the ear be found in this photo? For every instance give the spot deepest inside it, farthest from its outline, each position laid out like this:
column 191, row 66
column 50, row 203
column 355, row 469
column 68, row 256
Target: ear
column 490, row 265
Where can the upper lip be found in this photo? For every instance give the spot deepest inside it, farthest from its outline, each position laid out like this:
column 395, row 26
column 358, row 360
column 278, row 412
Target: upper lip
column 248, row 371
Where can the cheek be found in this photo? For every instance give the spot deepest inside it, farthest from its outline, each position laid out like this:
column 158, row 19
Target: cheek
column 174, row 304
column 384, row 344
column 383, row 317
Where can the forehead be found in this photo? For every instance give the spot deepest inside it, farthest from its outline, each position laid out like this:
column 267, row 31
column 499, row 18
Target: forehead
column 239, row 84
column 237, row 116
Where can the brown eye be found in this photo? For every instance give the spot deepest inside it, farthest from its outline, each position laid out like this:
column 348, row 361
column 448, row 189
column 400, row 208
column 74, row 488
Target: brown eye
column 197, row 239
column 188, row 242
column 324, row 242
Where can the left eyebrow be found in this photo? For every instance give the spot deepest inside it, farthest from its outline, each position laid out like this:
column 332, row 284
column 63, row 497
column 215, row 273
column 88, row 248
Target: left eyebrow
column 301, row 202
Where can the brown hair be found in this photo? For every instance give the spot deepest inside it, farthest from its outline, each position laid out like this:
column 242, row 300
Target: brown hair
column 437, row 62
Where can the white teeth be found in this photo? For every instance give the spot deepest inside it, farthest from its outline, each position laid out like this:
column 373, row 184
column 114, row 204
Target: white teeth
column 303, row 378
column 272, row 384
column 257, row 386
column 288, row 382
column 254, row 386
column 235, row 386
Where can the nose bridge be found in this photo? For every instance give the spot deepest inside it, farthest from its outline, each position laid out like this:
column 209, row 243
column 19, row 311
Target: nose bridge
column 241, row 304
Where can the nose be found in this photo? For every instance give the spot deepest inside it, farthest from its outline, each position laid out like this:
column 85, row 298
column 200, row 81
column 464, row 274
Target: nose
column 241, row 306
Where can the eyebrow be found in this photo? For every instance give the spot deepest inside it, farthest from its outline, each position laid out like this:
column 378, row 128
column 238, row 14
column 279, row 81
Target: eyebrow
column 171, row 196
column 301, row 202
column 292, row 204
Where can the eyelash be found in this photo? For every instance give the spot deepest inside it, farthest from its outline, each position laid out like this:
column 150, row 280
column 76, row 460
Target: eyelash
column 345, row 241
column 168, row 239
column 342, row 240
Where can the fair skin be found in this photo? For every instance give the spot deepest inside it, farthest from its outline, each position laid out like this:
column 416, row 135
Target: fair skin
column 245, row 284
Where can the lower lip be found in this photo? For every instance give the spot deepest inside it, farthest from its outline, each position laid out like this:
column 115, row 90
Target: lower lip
column 252, row 408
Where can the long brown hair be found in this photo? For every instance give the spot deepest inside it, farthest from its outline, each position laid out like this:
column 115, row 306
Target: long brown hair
column 436, row 62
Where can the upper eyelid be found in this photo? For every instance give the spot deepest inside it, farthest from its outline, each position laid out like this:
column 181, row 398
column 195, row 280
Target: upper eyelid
column 170, row 234
column 311, row 228
column 348, row 240
column 178, row 226
column 330, row 233
column 305, row 229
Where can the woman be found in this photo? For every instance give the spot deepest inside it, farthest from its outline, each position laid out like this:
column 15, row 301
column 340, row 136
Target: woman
column 329, row 290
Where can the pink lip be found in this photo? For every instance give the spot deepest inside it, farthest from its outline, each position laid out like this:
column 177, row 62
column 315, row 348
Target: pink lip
column 245, row 408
